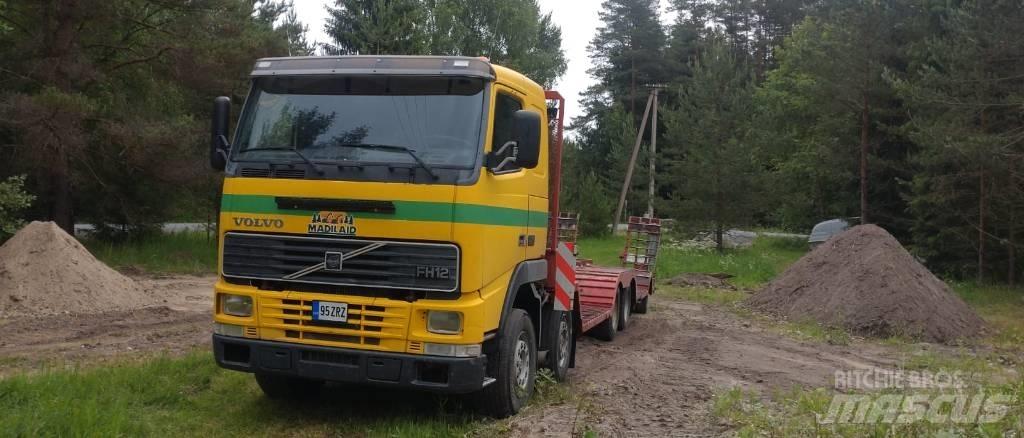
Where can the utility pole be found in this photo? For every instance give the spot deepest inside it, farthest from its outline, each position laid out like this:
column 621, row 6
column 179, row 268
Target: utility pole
column 632, row 163
column 654, row 152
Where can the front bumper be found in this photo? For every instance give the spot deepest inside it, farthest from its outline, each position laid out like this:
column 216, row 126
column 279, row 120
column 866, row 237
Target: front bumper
column 430, row 373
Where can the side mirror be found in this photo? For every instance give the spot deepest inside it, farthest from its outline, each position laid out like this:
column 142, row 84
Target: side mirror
column 526, row 133
column 219, row 143
column 522, row 150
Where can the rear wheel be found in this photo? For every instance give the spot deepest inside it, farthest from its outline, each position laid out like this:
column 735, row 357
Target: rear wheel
column 625, row 308
column 605, row 331
column 641, row 307
column 288, row 388
column 559, row 341
column 516, row 367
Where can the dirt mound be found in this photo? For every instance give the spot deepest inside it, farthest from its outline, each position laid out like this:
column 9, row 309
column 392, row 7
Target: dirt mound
column 865, row 281
column 710, row 281
column 45, row 271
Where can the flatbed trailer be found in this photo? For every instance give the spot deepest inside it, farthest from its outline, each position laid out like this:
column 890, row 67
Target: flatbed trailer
column 599, row 287
column 605, row 296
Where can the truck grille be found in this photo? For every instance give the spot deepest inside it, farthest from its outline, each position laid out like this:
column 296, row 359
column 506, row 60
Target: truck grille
column 295, row 259
column 369, row 326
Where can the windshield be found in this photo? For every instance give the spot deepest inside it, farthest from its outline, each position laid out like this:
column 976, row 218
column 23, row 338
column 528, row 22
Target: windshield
column 334, row 119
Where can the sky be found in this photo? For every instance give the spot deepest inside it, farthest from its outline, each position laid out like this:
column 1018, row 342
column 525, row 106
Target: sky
column 578, row 19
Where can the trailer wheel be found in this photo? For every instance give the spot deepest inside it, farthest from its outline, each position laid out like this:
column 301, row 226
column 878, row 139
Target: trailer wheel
column 605, row 331
column 559, row 341
column 516, row 367
column 641, row 307
column 625, row 308
column 288, row 388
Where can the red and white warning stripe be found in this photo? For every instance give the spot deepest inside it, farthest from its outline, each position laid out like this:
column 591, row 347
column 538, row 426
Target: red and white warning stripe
column 565, row 277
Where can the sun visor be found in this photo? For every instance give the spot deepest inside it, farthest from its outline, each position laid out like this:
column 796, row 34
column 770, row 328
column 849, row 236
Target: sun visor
column 373, row 65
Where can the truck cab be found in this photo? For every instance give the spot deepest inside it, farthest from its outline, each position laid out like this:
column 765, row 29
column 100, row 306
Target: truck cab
column 385, row 220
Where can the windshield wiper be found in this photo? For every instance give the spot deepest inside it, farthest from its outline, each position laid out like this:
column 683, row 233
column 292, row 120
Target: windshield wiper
column 396, row 148
column 282, row 148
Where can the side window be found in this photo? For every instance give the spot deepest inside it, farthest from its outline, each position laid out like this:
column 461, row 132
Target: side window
column 505, row 107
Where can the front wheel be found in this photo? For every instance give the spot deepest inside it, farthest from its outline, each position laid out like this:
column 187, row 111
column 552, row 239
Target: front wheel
column 516, row 367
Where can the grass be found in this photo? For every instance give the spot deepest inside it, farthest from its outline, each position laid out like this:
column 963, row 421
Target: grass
column 751, row 267
column 191, row 396
column 175, row 253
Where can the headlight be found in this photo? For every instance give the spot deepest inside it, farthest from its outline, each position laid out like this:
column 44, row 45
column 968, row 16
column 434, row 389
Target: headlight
column 444, row 322
column 236, row 305
column 451, row 350
column 228, row 329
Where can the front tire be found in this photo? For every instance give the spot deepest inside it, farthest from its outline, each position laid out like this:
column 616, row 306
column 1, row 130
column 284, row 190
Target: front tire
column 559, row 341
column 279, row 387
column 516, row 367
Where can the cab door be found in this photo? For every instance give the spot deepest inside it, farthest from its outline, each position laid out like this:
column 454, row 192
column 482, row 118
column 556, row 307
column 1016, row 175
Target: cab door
column 492, row 216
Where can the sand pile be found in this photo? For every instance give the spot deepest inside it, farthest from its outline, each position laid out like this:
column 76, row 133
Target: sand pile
column 865, row 281
column 45, row 271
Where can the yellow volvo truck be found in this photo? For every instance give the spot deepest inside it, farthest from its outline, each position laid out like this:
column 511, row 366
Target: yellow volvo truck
column 385, row 220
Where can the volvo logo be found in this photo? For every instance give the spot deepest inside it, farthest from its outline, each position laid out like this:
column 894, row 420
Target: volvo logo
column 333, row 261
column 258, row 222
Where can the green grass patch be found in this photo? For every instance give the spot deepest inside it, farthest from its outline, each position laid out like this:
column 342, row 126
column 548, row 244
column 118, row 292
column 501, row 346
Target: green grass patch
column 751, row 267
column 1002, row 307
column 174, row 253
column 191, row 396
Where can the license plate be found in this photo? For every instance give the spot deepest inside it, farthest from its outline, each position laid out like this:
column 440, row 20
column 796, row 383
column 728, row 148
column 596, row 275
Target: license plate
column 328, row 311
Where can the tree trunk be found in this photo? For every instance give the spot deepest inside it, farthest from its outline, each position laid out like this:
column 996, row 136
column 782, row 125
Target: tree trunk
column 61, row 211
column 1011, row 262
column 62, row 18
column 981, row 227
column 719, row 244
column 632, row 87
column 865, row 124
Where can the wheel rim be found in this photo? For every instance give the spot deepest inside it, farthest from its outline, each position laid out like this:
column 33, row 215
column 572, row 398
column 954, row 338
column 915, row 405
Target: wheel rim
column 522, row 363
column 563, row 344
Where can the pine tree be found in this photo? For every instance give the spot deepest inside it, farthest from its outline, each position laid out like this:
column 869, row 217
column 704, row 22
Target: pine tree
column 104, row 102
column 376, row 27
column 964, row 96
column 716, row 178
column 295, row 32
column 627, row 51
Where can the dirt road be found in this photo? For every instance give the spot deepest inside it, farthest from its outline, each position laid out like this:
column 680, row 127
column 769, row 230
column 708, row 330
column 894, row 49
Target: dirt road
column 180, row 321
column 656, row 379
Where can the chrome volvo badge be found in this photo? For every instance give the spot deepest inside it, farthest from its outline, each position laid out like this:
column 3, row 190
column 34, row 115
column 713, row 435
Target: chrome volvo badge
column 333, row 261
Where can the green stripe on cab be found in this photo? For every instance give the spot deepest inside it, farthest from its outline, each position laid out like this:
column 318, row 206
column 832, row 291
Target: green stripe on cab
column 423, row 211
